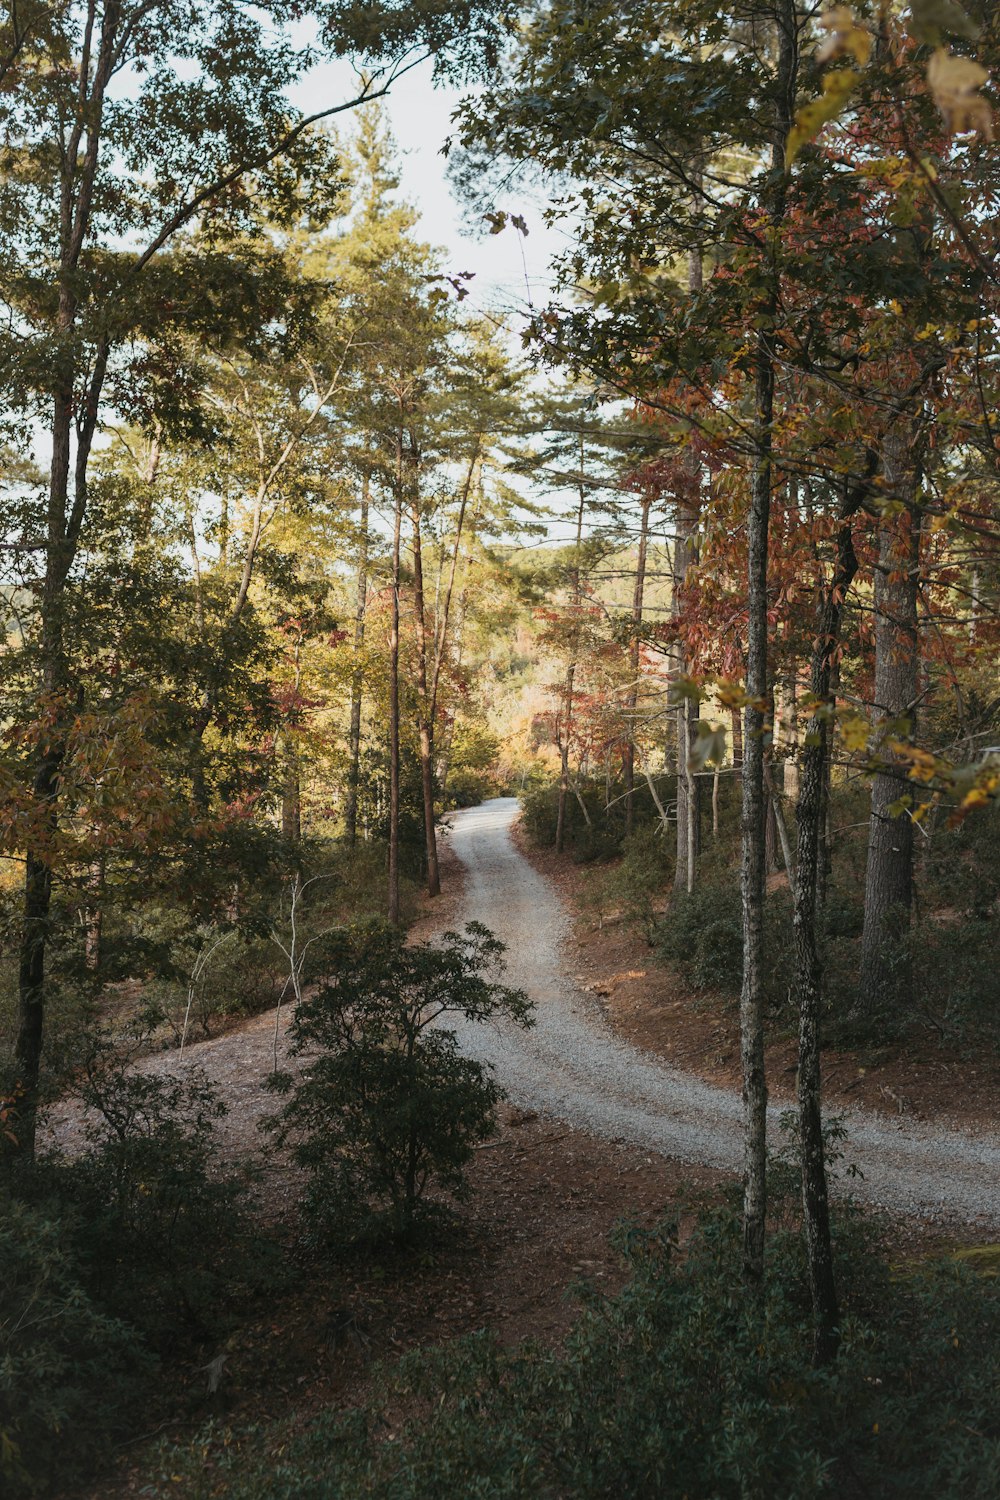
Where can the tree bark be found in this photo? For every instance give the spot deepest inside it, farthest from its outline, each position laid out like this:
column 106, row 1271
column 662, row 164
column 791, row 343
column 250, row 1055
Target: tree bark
column 807, row 985
column 688, row 711
column 567, row 715
column 754, row 801
column 886, row 979
column 357, row 678
column 687, row 715
column 397, row 523
column 93, row 916
column 291, row 799
column 736, row 722
column 425, row 724
column 634, row 650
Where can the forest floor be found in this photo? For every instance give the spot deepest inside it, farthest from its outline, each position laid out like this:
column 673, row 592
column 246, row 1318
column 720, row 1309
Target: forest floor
column 545, row 1198
column 650, row 1006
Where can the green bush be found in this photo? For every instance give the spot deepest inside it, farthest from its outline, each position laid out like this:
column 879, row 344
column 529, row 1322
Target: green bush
column 641, row 880
column 389, row 1107
column 70, row 1375
column 163, row 1238
column 702, row 934
column 682, row 1385
column 601, row 839
column 473, row 758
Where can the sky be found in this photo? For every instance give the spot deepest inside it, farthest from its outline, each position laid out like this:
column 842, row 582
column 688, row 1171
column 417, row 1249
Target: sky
column 510, row 271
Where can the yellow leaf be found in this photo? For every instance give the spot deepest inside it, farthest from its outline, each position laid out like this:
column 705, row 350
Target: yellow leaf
column 838, row 87
column 978, row 797
column 854, row 731
column 954, row 82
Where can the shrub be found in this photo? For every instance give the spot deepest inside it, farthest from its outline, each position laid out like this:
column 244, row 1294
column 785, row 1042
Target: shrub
column 390, row 1107
column 162, row 1237
column 70, row 1375
column 683, row 1384
column 702, row 934
column 600, row 839
column 638, row 883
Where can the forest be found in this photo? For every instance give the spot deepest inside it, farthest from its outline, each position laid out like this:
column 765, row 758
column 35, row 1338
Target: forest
column 499, row 783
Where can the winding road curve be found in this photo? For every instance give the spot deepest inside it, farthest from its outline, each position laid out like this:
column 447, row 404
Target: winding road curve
column 572, row 1066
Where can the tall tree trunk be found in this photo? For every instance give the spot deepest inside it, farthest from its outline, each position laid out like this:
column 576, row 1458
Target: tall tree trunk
column 291, row 797
column 567, row 715
column 442, row 634
column 397, row 523
column 687, row 714
column 63, row 524
column 566, row 729
column 357, row 678
column 688, row 711
column 825, row 854
column 790, row 737
column 291, row 803
column 634, row 651
column 754, row 800
column 93, row 916
column 425, row 723
column 772, row 864
column 886, row 979
column 736, row 734
column 79, row 160
column 807, row 985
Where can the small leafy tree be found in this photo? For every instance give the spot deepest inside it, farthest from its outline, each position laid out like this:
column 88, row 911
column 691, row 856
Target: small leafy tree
column 387, row 1106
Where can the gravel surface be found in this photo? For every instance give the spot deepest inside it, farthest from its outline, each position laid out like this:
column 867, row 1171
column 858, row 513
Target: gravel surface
column 570, row 1065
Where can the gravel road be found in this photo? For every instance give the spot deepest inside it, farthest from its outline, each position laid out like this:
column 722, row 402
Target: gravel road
column 572, row 1066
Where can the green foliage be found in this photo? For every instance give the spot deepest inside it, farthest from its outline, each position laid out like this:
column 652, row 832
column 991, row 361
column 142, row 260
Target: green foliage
column 164, row 1238
column 637, row 885
column 538, row 812
column 386, row 1106
column 683, row 1384
column 70, row 1374
column 702, row 934
column 601, row 838
column 474, row 753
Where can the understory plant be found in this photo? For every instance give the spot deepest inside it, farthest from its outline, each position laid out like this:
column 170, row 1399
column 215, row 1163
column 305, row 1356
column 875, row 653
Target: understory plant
column 71, row 1375
column 386, row 1109
column 683, row 1384
column 164, row 1235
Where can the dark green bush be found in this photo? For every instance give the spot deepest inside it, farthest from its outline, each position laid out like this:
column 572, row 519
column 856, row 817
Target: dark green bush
column 386, row 1106
column 702, row 934
column 162, row 1237
column 682, row 1385
column 70, row 1375
column 637, row 885
column 600, row 839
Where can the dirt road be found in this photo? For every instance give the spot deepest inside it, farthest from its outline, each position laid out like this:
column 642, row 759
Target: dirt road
column 571, row 1065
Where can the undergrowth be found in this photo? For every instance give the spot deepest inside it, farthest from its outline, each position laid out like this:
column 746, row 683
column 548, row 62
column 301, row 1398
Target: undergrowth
column 681, row 1385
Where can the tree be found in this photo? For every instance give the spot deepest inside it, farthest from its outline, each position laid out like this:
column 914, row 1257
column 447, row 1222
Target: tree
column 390, row 1107
column 100, row 282
column 631, row 329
